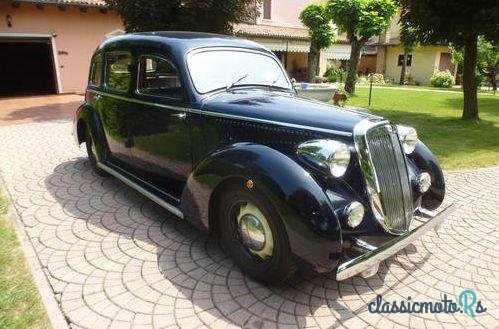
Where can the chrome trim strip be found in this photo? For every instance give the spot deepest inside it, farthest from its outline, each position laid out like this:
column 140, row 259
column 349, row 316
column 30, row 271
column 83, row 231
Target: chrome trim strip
column 362, row 244
column 138, row 101
column 223, row 115
column 372, row 258
column 171, row 208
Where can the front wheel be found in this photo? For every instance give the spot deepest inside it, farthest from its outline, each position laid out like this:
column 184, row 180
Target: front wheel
column 252, row 232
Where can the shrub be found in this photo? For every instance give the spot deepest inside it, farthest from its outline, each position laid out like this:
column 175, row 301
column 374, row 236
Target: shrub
column 362, row 80
column 317, row 79
column 336, row 74
column 442, row 79
column 378, row 79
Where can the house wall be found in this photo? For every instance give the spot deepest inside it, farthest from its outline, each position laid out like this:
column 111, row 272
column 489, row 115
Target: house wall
column 286, row 12
column 76, row 36
column 367, row 64
column 296, row 65
column 425, row 61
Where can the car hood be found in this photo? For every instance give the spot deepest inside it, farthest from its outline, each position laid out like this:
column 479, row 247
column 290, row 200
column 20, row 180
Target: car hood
column 285, row 108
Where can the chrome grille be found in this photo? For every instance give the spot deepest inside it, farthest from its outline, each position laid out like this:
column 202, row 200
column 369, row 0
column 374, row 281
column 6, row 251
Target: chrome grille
column 383, row 163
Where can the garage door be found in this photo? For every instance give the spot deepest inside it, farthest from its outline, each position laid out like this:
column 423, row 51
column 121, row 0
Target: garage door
column 26, row 67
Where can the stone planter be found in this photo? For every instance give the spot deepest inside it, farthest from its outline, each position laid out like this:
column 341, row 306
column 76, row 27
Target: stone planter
column 319, row 91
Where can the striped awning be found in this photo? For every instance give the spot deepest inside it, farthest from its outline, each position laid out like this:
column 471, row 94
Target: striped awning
column 337, row 51
column 295, row 46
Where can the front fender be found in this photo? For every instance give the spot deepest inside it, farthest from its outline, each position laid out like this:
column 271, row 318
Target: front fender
column 312, row 227
column 426, row 161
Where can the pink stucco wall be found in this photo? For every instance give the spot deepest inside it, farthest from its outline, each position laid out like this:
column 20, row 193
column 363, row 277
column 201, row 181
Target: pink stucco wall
column 77, row 35
column 286, row 12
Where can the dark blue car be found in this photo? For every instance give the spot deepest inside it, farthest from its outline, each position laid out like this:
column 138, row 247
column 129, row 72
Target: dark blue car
column 211, row 128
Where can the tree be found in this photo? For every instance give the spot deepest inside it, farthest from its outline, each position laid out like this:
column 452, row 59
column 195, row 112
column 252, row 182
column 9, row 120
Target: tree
column 360, row 20
column 487, row 59
column 408, row 40
column 184, row 15
column 314, row 16
column 459, row 22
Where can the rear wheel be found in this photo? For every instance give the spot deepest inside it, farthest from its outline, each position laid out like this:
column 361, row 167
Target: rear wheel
column 92, row 156
column 252, row 232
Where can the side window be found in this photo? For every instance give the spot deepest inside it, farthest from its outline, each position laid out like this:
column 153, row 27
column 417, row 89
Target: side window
column 118, row 74
column 158, row 77
column 400, row 60
column 96, row 72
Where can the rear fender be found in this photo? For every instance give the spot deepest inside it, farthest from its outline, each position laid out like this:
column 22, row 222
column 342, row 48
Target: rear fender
column 87, row 121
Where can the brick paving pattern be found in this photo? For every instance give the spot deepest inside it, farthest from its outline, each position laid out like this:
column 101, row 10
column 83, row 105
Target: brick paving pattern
column 115, row 260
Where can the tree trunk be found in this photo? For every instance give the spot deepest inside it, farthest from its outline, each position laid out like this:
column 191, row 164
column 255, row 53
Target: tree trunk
column 493, row 80
column 404, row 68
column 470, row 105
column 352, row 67
column 313, row 62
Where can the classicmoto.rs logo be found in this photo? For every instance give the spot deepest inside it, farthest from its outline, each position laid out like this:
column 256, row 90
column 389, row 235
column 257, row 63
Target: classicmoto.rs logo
column 467, row 303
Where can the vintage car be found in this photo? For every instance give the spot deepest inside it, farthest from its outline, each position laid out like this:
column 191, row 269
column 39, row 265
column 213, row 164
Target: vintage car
column 211, row 128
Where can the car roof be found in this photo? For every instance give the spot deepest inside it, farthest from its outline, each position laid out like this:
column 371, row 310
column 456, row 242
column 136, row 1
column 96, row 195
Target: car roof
column 179, row 41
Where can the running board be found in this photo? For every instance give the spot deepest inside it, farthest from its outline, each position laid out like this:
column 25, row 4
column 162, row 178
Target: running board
column 130, row 181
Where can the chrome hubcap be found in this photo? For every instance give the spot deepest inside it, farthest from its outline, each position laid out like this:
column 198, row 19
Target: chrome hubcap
column 254, row 231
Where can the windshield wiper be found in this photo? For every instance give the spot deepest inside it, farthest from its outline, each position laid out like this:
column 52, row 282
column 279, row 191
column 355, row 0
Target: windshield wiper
column 233, row 84
column 276, row 79
column 273, row 82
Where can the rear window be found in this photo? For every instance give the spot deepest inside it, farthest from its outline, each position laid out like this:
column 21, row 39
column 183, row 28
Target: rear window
column 96, row 72
column 118, row 71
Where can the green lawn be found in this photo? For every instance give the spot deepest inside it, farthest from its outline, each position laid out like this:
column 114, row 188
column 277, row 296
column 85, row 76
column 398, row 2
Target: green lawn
column 20, row 304
column 436, row 116
column 456, row 89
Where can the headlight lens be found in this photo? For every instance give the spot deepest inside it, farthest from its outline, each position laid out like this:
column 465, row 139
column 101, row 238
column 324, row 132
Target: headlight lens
column 329, row 155
column 354, row 213
column 409, row 138
column 339, row 160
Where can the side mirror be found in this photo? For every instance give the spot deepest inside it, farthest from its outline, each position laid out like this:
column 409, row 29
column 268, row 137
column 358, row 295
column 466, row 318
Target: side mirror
column 293, row 81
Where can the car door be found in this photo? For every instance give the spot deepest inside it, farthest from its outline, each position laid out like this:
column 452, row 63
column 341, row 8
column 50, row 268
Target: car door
column 159, row 129
column 112, row 106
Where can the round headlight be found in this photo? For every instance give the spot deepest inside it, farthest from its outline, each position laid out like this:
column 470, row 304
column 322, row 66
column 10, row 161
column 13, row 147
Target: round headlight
column 339, row 160
column 424, row 182
column 409, row 138
column 354, row 213
column 326, row 155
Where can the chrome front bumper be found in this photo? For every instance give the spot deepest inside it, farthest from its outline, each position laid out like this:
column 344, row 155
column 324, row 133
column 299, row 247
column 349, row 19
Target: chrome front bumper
column 367, row 264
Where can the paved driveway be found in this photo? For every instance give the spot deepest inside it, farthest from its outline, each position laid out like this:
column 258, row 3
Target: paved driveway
column 16, row 110
column 115, row 259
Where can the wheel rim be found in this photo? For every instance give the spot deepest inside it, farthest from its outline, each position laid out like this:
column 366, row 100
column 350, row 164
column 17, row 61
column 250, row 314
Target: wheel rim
column 254, row 231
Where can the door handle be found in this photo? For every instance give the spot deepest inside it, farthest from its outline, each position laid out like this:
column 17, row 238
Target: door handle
column 179, row 115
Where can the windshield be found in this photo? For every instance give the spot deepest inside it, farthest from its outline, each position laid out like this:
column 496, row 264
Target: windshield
column 216, row 69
